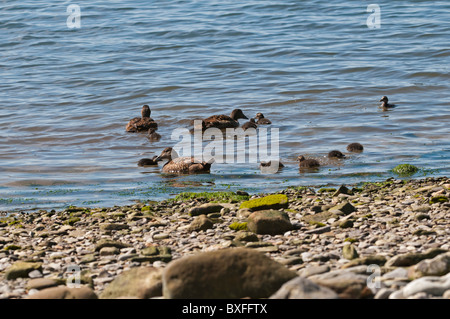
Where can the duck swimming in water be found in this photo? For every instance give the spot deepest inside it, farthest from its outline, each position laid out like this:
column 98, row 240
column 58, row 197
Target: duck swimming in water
column 307, row 163
column 225, row 121
column 152, row 135
column 269, row 163
column 355, row 147
column 335, row 154
column 385, row 103
column 148, row 161
column 261, row 119
column 249, row 124
column 183, row 165
column 143, row 123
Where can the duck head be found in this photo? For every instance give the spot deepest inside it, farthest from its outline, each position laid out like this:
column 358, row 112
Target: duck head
column 259, row 116
column 300, row 158
column 167, row 153
column 238, row 114
column 145, row 112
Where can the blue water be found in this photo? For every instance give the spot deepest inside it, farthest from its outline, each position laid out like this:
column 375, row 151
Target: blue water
column 314, row 68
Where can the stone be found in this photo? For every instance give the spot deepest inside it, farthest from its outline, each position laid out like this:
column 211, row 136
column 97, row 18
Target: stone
column 275, row 201
column 110, row 243
column 139, row 282
column 303, row 288
column 383, row 293
column 200, row 223
column 343, row 208
column 109, row 251
column 245, row 236
column 228, row 273
column 349, row 252
column 205, row 209
column 62, row 292
column 368, row 260
column 42, row 283
column 347, row 284
column 113, row 226
column 21, row 269
column 342, row 190
column 404, row 260
column 432, row 285
column 270, row 222
column 437, row 266
column 319, row 230
column 313, row 270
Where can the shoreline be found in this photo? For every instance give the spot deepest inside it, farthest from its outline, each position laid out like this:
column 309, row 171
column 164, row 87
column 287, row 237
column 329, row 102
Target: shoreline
column 331, row 236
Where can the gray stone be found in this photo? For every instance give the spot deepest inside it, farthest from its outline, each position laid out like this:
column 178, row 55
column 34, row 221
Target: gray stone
column 109, row 251
column 224, row 274
column 313, row 270
column 319, row 230
column 432, row 285
column 438, row 266
column 205, row 209
column 303, row 288
column 200, row 223
column 42, row 283
column 343, row 208
column 404, row 260
column 384, row 293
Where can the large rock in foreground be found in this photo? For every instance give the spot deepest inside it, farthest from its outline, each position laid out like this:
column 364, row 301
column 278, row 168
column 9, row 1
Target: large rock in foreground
column 224, row 274
column 63, row 292
column 302, row 288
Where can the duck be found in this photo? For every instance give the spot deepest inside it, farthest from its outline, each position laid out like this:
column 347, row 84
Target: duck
column 335, row 154
column 225, row 121
column 307, row 163
column 385, row 103
column 249, row 124
column 183, row 165
column 143, row 123
column 148, row 161
column 261, row 119
column 355, row 147
column 152, row 135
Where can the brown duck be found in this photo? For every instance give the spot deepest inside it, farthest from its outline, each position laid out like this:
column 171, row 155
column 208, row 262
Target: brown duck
column 355, row 147
column 307, row 163
column 183, row 165
column 385, row 103
column 225, row 121
column 335, row 154
column 261, row 119
column 152, row 135
column 249, row 124
column 143, row 123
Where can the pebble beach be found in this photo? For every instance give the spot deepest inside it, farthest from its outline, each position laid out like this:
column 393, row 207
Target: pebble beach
column 384, row 240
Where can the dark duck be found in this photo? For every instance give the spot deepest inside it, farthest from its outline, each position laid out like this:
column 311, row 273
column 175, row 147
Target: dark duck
column 385, row 103
column 182, row 165
column 143, row 123
column 152, row 135
column 335, row 154
column 261, row 119
column 249, row 124
column 355, row 147
column 225, row 121
column 148, row 161
column 307, row 163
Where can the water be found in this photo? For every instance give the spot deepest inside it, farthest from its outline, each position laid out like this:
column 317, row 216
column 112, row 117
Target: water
column 313, row 67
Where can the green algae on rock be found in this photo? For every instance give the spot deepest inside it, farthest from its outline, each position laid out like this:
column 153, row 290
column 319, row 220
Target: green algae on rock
column 275, row 201
column 405, row 169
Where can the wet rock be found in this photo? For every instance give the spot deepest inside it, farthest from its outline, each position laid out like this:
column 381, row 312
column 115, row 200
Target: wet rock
column 269, row 222
column 228, row 273
column 140, row 282
column 302, row 288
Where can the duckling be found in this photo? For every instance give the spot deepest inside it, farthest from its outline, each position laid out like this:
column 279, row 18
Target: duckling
column 152, row 135
column 148, row 161
column 385, row 103
column 261, row 119
column 335, row 154
column 249, row 124
column 355, row 147
column 142, row 123
column 183, row 165
column 225, row 121
column 307, row 163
